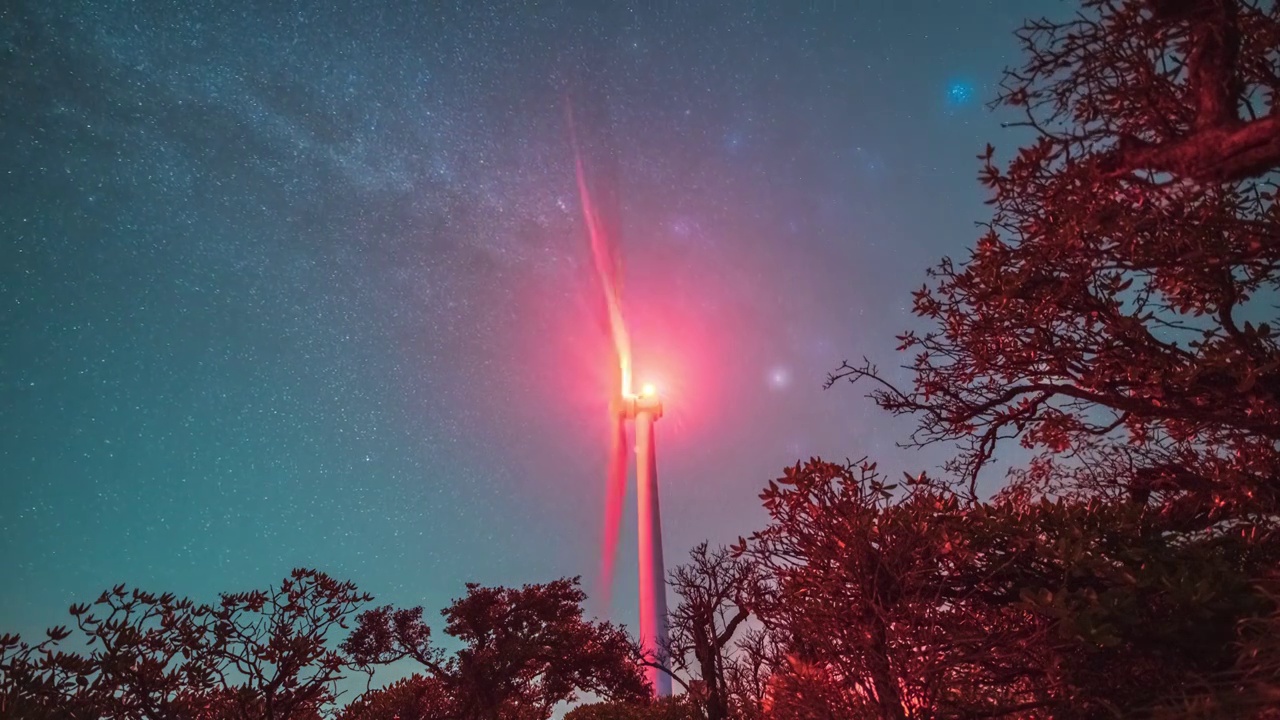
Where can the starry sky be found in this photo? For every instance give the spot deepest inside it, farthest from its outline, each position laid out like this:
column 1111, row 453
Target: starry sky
column 307, row 284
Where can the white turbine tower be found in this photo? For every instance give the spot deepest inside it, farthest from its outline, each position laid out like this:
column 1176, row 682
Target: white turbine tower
column 644, row 410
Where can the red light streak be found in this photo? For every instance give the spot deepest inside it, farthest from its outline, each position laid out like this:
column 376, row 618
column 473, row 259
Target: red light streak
column 607, row 270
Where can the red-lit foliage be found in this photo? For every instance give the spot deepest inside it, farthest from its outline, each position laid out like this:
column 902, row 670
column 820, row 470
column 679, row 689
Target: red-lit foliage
column 1118, row 314
column 270, row 655
column 524, row 651
column 913, row 602
column 259, row 654
column 413, row 698
column 678, row 707
column 866, row 612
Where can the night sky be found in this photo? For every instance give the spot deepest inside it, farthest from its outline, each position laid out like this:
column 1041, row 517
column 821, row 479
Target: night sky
column 307, row 284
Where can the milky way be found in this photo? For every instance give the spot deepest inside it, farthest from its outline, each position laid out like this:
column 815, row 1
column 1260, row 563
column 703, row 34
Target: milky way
column 296, row 284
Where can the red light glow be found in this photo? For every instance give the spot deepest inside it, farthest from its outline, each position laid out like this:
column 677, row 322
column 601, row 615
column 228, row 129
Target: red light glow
column 607, row 270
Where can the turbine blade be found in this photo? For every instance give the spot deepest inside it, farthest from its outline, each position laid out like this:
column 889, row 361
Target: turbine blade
column 615, row 493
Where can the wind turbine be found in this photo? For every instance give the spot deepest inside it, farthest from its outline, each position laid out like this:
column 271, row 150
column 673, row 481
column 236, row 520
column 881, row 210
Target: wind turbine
column 643, row 410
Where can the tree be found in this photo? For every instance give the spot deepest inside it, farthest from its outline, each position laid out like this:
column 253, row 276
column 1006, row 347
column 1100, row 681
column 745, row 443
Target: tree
column 270, row 655
column 1115, row 315
column 715, row 590
column 259, row 654
column 1134, row 608
column 413, row 698
column 872, row 618
column 1116, row 318
column 1251, row 687
column 672, row 708
column 916, row 603
column 1183, row 87
column 524, row 651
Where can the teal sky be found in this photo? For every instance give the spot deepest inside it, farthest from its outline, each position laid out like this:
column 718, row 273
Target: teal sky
column 305, row 284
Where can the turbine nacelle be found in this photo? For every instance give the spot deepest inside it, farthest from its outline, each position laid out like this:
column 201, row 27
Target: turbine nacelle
column 631, row 406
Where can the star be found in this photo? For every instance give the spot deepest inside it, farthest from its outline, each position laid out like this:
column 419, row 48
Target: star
column 959, row 93
column 779, row 377
column 314, row 287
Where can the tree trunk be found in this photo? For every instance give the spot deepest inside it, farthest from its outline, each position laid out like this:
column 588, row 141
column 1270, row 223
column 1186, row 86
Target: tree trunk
column 883, row 679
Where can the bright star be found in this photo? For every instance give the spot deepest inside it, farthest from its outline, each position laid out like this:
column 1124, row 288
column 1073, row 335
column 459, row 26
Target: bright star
column 779, row 377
